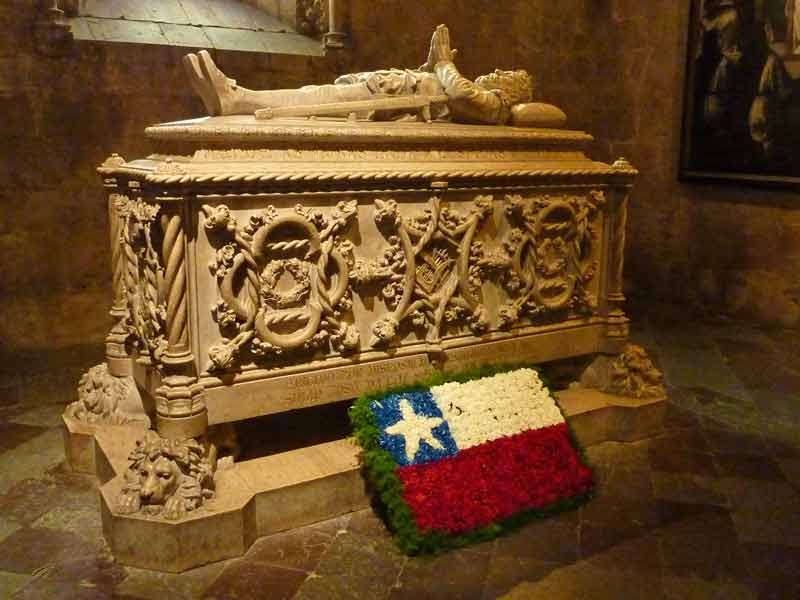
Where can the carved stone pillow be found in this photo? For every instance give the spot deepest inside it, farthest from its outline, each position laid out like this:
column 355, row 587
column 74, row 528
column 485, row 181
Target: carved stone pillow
column 537, row 114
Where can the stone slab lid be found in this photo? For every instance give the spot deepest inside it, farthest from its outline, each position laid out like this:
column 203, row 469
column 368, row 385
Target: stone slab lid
column 247, row 131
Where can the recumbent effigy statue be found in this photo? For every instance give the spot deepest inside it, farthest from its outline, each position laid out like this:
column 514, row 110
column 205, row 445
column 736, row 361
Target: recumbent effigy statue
column 434, row 91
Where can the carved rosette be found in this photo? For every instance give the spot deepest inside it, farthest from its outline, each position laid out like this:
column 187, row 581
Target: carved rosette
column 549, row 255
column 167, row 477
column 259, row 310
column 425, row 271
column 143, row 274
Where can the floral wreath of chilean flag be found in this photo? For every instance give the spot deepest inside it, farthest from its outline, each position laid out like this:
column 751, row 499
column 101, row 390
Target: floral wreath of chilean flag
column 469, row 458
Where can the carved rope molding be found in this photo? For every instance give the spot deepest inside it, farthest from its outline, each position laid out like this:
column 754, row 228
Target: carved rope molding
column 368, row 176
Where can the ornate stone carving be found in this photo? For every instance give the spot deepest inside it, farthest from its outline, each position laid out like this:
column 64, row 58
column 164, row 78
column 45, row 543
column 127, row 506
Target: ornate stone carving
column 144, row 273
column 425, row 269
column 630, row 373
column 106, row 399
column 634, row 374
column 312, row 17
column 258, row 307
column 548, row 254
column 167, row 477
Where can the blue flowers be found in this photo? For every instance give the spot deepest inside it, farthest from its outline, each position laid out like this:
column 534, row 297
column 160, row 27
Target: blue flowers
column 412, row 424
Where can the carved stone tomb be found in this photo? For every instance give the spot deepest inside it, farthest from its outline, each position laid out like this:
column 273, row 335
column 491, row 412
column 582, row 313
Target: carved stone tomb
column 265, row 266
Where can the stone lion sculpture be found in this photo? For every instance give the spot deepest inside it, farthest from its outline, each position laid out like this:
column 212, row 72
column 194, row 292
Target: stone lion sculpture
column 104, row 398
column 630, row 373
column 166, row 477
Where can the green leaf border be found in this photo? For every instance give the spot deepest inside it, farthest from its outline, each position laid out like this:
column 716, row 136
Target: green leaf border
column 381, row 472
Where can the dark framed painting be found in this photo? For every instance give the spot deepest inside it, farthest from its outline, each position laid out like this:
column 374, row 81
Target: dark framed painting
column 742, row 104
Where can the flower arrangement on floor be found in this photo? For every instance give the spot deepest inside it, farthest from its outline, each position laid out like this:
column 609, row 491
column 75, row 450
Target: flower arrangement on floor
column 460, row 459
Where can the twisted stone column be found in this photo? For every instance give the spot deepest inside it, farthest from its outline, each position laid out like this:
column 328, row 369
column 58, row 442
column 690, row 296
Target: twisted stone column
column 617, row 323
column 117, row 357
column 180, row 404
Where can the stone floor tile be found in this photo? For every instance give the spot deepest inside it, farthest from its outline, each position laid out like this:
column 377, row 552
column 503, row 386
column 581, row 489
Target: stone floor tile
column 624, row 482
column 367, row 522
column 631, row 455
column 31, row 548
column 7, row 527
column 774, row 569
column 47, row 415
column 690, row 440
column 81, row 577
column 296, row 549
column 582, row 580
column 682, row 461
column 355, row 566
column 454, row 574
column 31, row 459
column 507, row 572
column 14, row 434
column 768, row 526
column 553, row 539
column 153, row 585
column 728, row 441
column 749, row 467
column 705, row 546
column 640, row 554
column 677, row 417
column 756, row 495
column 11, row 582
column 28, row 499
column 754, row 362
column 699, row 367
column 247, row 580
column 621, row 513
column 80, row 520
column 791, row 470
column 687, row 487
column 697, row 588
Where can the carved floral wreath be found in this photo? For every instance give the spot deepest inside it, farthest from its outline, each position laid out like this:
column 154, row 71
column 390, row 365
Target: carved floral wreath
column 272, row 274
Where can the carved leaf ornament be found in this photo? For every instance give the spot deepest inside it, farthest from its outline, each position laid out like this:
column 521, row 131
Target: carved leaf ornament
column 284, row 279
column 144, row 276
column 274, row 317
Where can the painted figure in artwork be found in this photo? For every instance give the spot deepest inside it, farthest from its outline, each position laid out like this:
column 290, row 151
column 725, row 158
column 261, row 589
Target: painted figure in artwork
column 497, row 98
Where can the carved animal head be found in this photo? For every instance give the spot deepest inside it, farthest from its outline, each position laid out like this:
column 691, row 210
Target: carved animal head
column 98, row 392
column 158, row 479
column 161, row 468
column 514, row 86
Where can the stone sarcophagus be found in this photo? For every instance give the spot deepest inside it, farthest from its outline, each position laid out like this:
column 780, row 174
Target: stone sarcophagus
column 262, row 267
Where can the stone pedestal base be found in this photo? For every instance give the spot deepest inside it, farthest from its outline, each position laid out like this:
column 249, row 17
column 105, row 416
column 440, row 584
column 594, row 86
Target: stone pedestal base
column 597, row 417
column 79, row 441
column 271, row 494
column 253, row 499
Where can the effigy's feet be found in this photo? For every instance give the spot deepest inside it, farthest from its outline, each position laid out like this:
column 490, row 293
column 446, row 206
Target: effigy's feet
column 200, row 85
column 224, row 88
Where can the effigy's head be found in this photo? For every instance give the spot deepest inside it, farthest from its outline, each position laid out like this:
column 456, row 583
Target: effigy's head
column 514, row 86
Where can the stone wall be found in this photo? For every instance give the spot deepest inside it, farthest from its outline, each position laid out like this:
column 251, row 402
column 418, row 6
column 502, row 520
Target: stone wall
column 615, row 66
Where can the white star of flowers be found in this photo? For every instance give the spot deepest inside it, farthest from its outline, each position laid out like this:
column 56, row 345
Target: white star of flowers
column 415, row 429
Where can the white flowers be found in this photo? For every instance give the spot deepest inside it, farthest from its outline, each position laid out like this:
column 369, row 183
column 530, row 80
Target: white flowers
column 505, row 404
